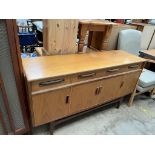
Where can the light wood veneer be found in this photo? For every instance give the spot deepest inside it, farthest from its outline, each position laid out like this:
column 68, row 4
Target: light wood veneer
column 59, row 86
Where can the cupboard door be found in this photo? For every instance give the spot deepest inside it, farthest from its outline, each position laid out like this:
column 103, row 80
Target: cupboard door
column 50, row 106
column 84, row 96
column 109, row 89
column 115, row 87
column 129, row 82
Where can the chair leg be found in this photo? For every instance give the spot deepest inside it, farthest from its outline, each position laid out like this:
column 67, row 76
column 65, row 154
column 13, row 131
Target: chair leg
column 130, row 103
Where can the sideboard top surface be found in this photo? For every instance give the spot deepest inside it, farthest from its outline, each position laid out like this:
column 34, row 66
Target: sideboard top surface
column 59, row 65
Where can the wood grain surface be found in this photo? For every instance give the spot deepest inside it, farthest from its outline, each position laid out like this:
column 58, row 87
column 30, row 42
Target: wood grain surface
column 60, row 36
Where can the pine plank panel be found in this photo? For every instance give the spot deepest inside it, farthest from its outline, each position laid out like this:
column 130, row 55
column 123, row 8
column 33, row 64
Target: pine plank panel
column 60, row 36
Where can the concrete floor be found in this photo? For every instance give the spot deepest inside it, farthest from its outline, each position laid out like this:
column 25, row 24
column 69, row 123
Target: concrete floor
column 136, row 120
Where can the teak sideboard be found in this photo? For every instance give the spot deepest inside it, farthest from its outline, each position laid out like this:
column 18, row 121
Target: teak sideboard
column 63, row 85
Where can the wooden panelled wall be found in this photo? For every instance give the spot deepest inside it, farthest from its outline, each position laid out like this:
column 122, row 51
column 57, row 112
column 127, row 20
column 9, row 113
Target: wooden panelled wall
column 60, row 36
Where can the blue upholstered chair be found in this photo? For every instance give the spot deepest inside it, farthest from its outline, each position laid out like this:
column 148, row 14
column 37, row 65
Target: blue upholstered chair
column 130, row 41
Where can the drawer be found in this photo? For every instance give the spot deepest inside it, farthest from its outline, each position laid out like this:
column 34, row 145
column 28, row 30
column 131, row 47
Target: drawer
column 85, row 76
column 50, row 83
column 114, row 70
column 119, row 69
column 135, row 66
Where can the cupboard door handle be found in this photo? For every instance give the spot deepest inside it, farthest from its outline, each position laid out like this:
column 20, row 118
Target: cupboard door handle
column 113, row 70
column 133, row 66
column 97, row 91
column 121, row 85
column 51, row 82
column 67, row 99
column 86, row 75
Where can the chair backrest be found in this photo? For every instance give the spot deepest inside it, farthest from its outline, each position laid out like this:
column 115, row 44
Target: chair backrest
column 130, row 41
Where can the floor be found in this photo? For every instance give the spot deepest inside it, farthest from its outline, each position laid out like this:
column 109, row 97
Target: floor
column 136, row 120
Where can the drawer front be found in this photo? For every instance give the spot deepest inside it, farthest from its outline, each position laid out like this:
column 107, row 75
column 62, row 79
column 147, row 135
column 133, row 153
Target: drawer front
column 85, row 76
column 135, row 66
column 115, row 70
column 50, row 83
column 119, row 69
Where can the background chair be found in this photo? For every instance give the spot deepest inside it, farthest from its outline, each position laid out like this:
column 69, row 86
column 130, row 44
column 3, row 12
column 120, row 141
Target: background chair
column 130, row 41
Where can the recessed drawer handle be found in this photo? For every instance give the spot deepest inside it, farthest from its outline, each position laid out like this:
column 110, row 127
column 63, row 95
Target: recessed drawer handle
column 86, row 75
column 51, row 82
column 113, row 70
column 133, row 66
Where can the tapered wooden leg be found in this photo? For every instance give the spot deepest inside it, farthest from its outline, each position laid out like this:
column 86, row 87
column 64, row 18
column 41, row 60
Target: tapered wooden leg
column 130, row 103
